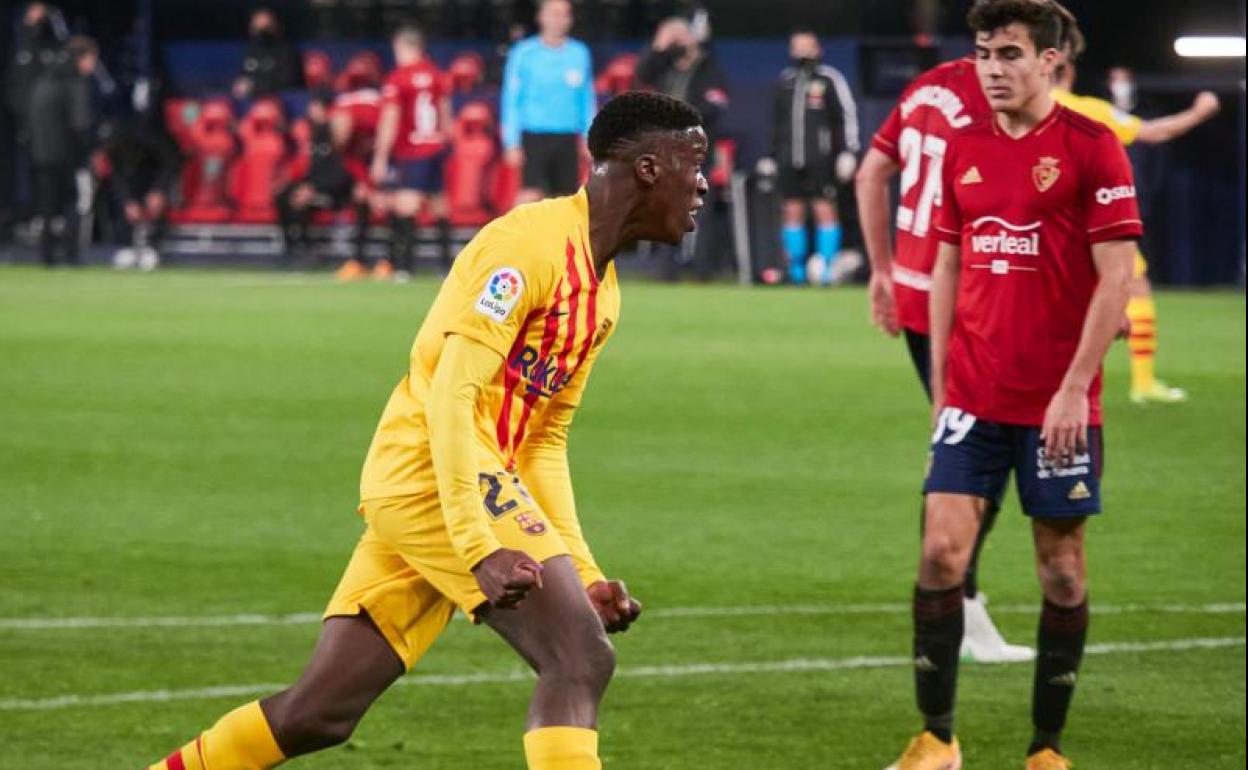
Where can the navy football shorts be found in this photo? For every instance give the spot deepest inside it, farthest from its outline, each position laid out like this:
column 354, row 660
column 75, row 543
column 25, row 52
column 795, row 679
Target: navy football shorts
column 974, row 457
column 424, row 175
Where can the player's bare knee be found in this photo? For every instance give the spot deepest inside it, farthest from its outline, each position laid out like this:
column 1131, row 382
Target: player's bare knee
column 944, row 557
column 301, row 727
column 588, row 663
column 1061, row 577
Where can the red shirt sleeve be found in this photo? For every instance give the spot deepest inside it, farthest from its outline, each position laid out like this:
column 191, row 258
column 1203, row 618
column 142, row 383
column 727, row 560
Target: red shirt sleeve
column 1113, row 213
column 948, row 225
column 885, row 140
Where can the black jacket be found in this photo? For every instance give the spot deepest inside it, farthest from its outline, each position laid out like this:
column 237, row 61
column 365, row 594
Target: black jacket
column 703, row 86
column 35, row 51
column 61, row 119
column 144, row 159
column 815, row 118
column 271, row 64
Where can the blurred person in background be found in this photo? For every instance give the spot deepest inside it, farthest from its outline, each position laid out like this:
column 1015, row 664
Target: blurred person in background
column 326, row 185
column 36, row 46
column 1145, row 387
column 412, row 138
column 1122, row 91
column 142, row 166
column 548, row 103
column 354, row 117
column 61, row 122
column 815, row 142
column 270, row 62
column 678, row 64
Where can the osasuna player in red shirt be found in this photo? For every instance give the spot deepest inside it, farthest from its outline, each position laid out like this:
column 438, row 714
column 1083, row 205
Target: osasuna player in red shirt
column 411, row 138
column 356, row 112
column 1038, row 225
column 939, row 104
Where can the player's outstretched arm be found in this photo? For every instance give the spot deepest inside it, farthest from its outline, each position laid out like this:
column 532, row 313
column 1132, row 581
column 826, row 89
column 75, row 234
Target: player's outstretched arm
column 465, row 368
column 871, row 186
column 1065, row 430
column 1164, row 129
column 943, row 299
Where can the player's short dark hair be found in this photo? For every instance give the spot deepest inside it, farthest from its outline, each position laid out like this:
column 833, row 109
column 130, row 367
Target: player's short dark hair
column 1072, row 39
column 1040, row 17
column 633, row 114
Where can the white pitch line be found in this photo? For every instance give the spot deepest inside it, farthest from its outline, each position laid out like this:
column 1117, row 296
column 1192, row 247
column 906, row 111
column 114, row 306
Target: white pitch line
column 673, row 671
column 743, row 611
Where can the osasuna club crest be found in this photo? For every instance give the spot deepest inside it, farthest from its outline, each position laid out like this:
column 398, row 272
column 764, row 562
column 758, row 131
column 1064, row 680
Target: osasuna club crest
column 1045, row 173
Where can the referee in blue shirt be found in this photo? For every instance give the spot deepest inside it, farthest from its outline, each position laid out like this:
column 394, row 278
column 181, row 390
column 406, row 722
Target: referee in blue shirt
column 547, row 104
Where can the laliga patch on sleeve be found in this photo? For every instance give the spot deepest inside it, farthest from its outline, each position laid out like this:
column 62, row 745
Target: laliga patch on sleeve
column 501, row 293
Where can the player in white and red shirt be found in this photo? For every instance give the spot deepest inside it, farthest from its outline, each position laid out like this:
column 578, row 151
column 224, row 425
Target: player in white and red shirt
column 934, row 108
column 411, row 139
column 1038, row 225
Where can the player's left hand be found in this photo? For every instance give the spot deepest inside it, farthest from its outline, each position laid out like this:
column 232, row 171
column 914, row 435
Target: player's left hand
column 1065, row 429
column 613, row 604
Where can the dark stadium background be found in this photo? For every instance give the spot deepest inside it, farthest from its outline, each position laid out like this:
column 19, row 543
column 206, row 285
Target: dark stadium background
column 1195, row 223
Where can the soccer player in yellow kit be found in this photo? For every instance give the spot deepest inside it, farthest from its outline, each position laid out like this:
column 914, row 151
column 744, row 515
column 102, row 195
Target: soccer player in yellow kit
column 466, row 493
column 1141, row 309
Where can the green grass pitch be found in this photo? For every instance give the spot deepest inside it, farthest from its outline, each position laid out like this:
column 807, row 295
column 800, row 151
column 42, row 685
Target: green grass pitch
column 187, row 444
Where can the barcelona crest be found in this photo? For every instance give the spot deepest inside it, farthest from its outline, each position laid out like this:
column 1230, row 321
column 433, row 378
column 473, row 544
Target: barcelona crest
column 1045, row 173
column 531, row 524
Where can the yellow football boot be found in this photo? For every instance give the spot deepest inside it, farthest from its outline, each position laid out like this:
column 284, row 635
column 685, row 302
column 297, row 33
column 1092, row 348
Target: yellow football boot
column 927, row 752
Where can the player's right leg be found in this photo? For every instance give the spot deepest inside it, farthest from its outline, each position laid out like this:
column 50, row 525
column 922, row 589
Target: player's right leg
column 351, row 665
column 382, row 618
column 793, row 236
column 557, row 631
column 971, row 461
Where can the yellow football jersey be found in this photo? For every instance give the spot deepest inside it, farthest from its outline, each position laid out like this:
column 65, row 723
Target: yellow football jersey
column 1124, row 125
column 525, row 287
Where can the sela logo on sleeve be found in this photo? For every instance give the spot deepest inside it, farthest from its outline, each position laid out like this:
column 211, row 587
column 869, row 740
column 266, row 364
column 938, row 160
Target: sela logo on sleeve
column 501, row 293
column 1107, row 195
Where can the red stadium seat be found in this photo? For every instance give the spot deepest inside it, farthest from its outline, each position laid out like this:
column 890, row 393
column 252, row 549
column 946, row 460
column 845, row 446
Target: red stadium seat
column 504, row 185
column 210, row 149
column 258, row 170
column 474, row 151
column 180, row 117
column 318, row 69
column 465, row 72
column 618, row 76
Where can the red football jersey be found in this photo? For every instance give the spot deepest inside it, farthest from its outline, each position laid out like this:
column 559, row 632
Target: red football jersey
column 417, row 90
column 935, row 106
column 1026, row 212
column 363, row 107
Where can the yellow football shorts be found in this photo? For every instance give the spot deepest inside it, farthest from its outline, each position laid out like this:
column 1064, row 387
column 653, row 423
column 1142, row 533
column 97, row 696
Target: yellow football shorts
column 1141, row 267
column 406, row 575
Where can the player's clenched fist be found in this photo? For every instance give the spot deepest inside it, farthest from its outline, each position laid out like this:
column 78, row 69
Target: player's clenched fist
column 506, row 577
column 614, row 606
